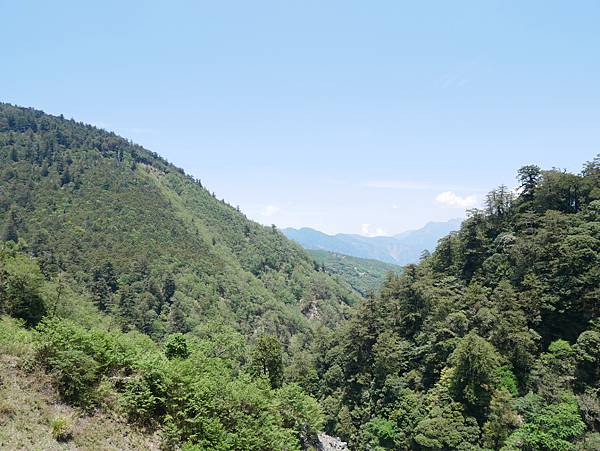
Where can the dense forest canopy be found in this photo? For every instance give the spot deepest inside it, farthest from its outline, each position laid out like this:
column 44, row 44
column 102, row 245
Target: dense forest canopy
column 491, row 342
column 152, row 306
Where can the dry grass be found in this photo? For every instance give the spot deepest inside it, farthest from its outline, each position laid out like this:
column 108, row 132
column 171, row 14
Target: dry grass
column 33, row 418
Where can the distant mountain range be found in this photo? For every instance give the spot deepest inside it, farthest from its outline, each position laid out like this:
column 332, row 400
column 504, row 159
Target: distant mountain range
column 400, row 249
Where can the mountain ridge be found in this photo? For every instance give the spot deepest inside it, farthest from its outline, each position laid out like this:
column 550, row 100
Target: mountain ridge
column 400, row 249
column 83, row 198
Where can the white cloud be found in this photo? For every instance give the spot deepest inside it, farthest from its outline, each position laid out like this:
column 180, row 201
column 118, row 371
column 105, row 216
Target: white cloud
column 395, row 206
column 365, row 229
column 270, row 210
column 453, row 200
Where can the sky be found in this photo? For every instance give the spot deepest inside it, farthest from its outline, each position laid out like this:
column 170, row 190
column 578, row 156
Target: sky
column 345, row 116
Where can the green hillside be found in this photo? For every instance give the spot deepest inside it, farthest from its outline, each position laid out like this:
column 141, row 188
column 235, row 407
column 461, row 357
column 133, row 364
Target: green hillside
column 155, row 248
column 137, row 311
column 363, row 274
column 145, row 304
column 492, row 342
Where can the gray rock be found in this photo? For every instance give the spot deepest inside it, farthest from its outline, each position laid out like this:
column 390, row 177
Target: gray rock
column 329, row 443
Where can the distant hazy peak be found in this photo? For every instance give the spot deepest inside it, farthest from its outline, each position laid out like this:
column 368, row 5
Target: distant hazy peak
column 400, row 249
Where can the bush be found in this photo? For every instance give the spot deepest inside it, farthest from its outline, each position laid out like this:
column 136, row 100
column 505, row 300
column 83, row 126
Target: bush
column 76, row 375
column 20, row 284
column 62, row 430
column 145, row 395
column 299, row 411
column 176, row 347
column 78, row 359
column 548, row 426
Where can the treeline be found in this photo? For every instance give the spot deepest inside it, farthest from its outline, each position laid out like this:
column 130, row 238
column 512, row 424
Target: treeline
column 492, row 342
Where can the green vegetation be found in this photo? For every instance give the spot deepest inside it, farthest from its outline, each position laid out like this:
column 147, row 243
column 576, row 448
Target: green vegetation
column 492, row 342
column 195, row 391
column 143, row 297
column 61, row 429
column 137, row 309
column 155, row 249
column 363, row 274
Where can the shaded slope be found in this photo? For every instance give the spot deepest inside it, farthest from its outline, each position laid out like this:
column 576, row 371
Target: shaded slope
column 364, row 275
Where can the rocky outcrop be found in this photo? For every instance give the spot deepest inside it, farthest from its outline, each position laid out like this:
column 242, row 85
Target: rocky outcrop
column 329, row 443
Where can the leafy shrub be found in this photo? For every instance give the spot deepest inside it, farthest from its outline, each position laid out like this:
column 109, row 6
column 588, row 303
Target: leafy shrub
column 176, row 347
column 378, row 433
column 551, row 426
column 20, row 284
column 299, row 411
column 145, row 396
column 77, row 358
column 76, row 374
column 507, row 380
column 62, row 429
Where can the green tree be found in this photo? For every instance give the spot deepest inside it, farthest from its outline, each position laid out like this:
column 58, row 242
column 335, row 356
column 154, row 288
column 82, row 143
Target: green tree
column 267, row 360
column 9, row 230
column 176, row 347
column 20, row 289
column 548, row 426
column 445, row 428
column 528, row 177
column 299, row 412
column 168, row 289
column 104, row 285
column 502, row 420
column 177, row 319
column 474, row 379
column 65, row 177
column 587, row 355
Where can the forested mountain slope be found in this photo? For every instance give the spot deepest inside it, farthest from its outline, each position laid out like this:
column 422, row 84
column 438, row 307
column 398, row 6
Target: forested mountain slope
column 156, row 249
column 363, row 274
column 131, row 298
column 492, row 342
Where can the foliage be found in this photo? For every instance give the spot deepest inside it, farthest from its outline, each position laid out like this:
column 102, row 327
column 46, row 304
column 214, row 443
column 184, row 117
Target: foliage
column 267, row 360
column 474, row 378
column 61, row 429
column 20, row 285
column 84, row 202
column 549, row 427
column 363, row 274
column 494, row 336
column 489, row 342
column 176, row 347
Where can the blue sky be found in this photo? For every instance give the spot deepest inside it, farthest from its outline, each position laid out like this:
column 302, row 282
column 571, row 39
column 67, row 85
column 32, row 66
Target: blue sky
column 347, row 116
